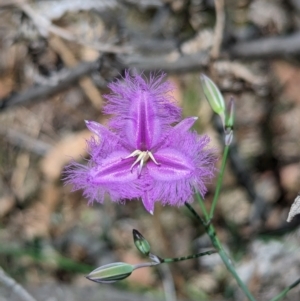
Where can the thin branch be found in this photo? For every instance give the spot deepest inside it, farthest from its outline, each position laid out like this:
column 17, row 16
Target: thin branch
column 15, row 287
column 173, row 63
column 24, row 141
column 219, row 29
column 180, row 64
column 279, row 46
column 267, row 47
column 69, row 59
column 240, row 71
column 39, row 93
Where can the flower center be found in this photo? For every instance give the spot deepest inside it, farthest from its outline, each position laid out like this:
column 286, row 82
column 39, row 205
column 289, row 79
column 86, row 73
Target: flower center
column 142, row 158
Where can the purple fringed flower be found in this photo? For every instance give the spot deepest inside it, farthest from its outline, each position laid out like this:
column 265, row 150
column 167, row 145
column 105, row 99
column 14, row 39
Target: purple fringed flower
column 141, row 155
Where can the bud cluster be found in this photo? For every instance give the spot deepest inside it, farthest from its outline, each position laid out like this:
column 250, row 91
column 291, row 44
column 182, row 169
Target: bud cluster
column 217, row 103
column 113, row 272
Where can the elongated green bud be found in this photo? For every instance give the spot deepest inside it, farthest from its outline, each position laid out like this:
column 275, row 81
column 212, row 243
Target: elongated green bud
column 229, row 122
column 230, row 114
column 213, row 96
column 140, row 242
column 111, row 273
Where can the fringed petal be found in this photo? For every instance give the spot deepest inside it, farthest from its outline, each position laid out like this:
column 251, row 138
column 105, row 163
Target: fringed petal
column 142, row 109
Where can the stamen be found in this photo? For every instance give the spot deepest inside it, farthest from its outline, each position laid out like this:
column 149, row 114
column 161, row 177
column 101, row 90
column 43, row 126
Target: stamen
column 139, row 158
column 142, row 157
column 140, row 167
column 152, row 158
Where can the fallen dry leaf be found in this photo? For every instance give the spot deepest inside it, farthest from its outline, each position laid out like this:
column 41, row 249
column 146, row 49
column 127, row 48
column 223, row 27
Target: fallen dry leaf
column 289, row 176
column 68, row 148
column 289, row 77
column 35, row 220
column 295, row 209
column 7, row 203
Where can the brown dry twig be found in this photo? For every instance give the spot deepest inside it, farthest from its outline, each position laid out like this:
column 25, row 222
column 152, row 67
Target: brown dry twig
column 180, row 64
column 219, row 29
column 24, row 141
column 267, row 47
column 169, row 63
column 239, row 70
column 39, row 93
column 87, row 85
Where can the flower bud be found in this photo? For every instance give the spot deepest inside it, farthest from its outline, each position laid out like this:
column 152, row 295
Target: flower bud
column 140, row 242
column 228, row 136
column 156, row 259
column 213, row 96
column 229, row 121
column 111, row 273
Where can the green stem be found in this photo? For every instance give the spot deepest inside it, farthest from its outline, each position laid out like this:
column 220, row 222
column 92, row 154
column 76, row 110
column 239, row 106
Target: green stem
column 286, row 290
column 219, row 183
column 210, row 230
column 169, row 260
column 196, row 215
column 202, row 206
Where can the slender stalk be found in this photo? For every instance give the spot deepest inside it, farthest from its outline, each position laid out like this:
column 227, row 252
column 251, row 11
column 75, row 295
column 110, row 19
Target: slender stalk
column 281, row 295
column 219, row 183
column 228, row 263
column 202, row 206
column 145, row 265
column 158, row 260
column 196, row 215
column 210, row 230
column 176, row 259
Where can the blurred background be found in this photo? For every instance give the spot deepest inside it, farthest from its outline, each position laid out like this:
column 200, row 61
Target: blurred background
column 56, row 60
